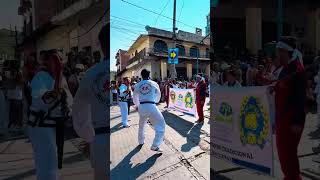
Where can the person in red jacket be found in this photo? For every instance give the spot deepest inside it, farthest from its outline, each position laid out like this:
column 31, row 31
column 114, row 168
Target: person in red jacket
column 290, row 98
column 201, row 88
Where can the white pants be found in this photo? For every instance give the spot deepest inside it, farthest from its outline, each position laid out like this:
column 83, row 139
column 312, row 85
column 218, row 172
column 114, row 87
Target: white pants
column 98, row 156
column 124, row 112
column 43, row 142
column 151, row 112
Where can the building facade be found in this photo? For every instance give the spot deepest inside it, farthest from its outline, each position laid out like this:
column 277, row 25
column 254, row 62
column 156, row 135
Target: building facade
column 150, row 51
column 65, row 25
column 253, row 24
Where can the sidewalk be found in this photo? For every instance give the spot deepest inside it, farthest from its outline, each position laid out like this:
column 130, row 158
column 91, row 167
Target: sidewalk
column 16, row 161
column 186, row 149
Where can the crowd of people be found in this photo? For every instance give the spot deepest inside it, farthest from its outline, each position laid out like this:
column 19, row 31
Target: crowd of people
column 47, row 93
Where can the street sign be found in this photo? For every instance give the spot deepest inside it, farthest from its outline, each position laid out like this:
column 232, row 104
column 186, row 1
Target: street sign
column 173, row 55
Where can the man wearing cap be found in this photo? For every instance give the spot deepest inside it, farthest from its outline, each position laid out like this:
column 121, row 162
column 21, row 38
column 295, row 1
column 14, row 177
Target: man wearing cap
column 201, row 88
column 124, row 91
column 90, row 109
column 145, row 96
column 290, row 96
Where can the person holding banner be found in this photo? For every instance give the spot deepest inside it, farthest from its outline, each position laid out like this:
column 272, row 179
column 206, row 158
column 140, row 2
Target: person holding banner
column 145, row 96
column 290, row 97
column 123, row 101
column 201, row 88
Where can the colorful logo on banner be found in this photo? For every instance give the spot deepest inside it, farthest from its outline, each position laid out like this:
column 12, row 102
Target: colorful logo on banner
column 173, row 97
column 173, row 55
column 188, row 100
column 254, row 122
column 225, row 113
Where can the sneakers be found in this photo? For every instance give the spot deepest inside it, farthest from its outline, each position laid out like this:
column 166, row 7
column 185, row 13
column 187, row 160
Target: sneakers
column 126, row 126
column 157, row 149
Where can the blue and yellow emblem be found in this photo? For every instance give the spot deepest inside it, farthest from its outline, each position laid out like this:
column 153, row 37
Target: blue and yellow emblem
column 225, row 113
column 254, row 122
column 188, row 100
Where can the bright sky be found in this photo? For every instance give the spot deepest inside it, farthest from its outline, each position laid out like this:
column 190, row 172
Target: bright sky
column 9, row 14
column 128, row 21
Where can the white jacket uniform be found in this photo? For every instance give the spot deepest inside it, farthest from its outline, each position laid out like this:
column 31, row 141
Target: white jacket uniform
column 90, row 114
column 145, row 96
column 43, row 138
column 123, row 104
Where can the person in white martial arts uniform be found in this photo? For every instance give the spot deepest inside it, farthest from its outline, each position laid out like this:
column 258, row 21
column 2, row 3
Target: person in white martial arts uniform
column 90, row 111
column 123, row 101
column 48, row 112
column 145, row 96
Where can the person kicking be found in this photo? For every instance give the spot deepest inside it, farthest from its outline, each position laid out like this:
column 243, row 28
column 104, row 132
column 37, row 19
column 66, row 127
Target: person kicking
column 145, row 96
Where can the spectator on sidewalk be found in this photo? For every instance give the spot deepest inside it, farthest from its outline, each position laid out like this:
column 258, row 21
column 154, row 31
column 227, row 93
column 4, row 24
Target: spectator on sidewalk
column 201, row 89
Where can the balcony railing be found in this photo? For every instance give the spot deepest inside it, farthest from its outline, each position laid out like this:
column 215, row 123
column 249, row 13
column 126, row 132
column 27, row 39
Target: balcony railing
column 182, row 54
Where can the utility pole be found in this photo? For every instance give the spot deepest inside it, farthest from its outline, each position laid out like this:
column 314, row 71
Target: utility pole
column 172, row 67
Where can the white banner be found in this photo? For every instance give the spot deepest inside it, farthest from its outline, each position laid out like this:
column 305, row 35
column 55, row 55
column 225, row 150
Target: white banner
column 242, row 130
column 183, row 100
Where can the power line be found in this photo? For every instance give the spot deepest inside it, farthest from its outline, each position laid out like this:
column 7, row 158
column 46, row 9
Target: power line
column 161, row 12
column 181, row 10
column 120, row 28
column 134, row 22
column 127, row 20
column 155, row 13
column 100, row 19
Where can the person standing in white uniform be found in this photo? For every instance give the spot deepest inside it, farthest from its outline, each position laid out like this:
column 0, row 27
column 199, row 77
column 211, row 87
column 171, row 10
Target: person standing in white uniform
column 123, row 101
column 90, row 111
column 47, row 112
column 145, row 96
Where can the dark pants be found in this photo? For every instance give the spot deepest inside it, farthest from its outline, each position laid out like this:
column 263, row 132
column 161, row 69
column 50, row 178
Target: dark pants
column 200, row 110
column 287, row 146
column 15, row 113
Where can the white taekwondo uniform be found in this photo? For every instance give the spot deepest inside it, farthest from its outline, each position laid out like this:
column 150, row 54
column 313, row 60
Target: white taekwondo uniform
column 90, row 115
column 145, row 96
column 123, row 103
column 41, row 131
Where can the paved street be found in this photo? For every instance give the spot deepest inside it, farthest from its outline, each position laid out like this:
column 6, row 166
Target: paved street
column 16, row 160
column 186, row 148
column 186, row 151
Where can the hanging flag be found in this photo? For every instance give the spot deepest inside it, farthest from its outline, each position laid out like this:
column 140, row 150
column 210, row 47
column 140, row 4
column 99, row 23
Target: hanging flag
column 173, row 55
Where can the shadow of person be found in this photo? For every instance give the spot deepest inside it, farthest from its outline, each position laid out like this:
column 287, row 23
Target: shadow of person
column 125, row 171
column 116, row 128
column 193, row 138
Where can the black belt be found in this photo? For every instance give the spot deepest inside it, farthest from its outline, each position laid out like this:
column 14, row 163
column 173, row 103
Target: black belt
column 102, row 130
column 147, row 102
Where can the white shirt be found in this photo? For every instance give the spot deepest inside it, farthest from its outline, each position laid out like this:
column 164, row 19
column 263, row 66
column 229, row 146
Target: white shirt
column 146, row 90
column 42, row 83
column 90, row 105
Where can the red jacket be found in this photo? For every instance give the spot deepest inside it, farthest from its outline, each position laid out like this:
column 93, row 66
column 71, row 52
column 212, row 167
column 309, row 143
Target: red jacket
column 290, row 97
column 201, row 91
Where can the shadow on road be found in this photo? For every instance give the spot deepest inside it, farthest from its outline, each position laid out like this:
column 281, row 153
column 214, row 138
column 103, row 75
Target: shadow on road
column 124, row 169
column 22, row 175
column 186, row 129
